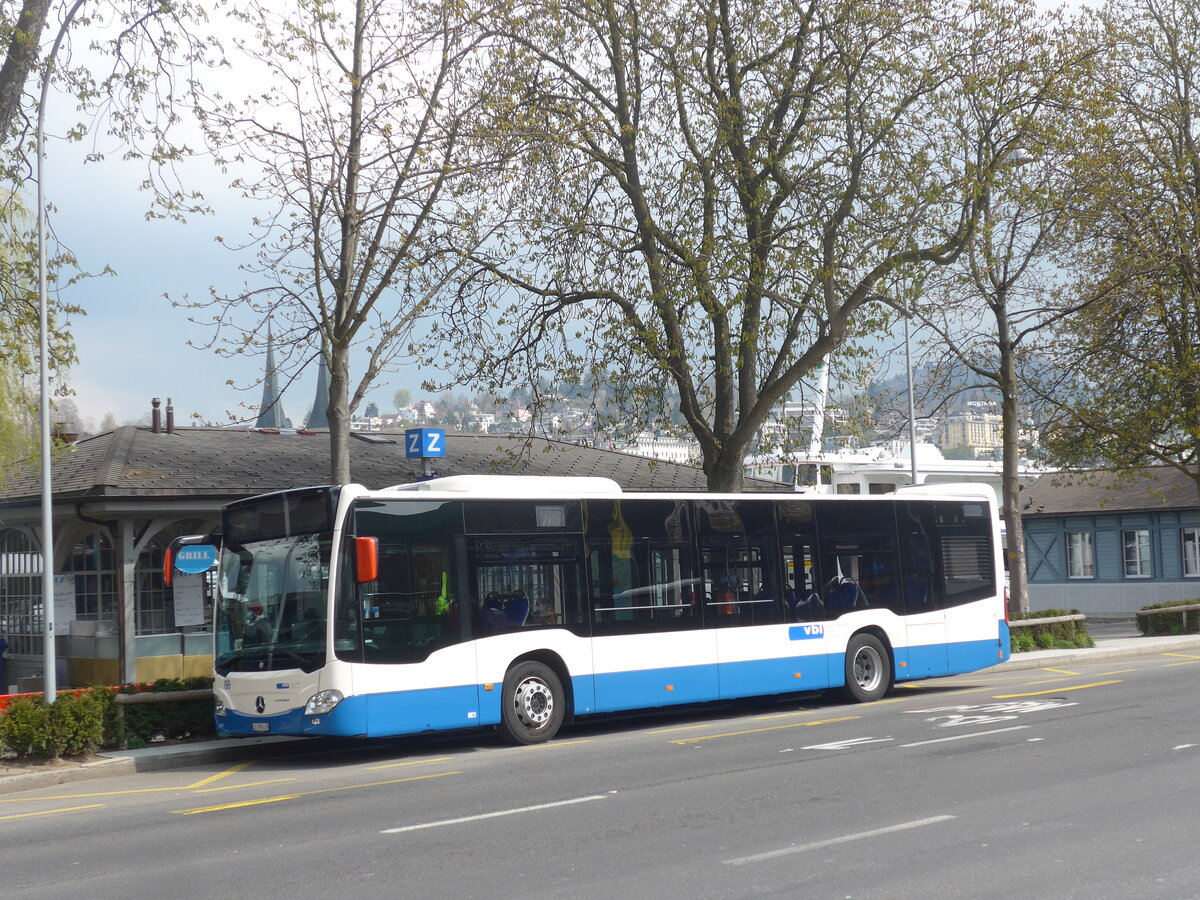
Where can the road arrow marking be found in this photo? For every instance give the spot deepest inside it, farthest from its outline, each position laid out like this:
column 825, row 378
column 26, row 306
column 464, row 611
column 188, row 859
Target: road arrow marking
column 847, row 744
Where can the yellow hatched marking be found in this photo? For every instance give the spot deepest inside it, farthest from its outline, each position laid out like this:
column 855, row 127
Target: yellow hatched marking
column 349, row 787
column 413, row 762
column 1182, row 655
column 1078, row 687
column 1176, row 665
column 51, row 812
column 232, row 770
column 713, row 737
column 238, row 787
column 554, row 745
column 1061, row 671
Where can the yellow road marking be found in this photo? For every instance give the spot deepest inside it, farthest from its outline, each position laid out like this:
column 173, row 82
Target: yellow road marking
column 683, row 728
column 554, row 745
column 413, row 762
column 1062, row 690
column 50, row 812
column 232, row 770
column 238, row 787
column 297, row 796
column 1182, row 655
column 713, row 737
column 787, row 715
column 1061, row 671
column 92, row 794
column 1175, row 665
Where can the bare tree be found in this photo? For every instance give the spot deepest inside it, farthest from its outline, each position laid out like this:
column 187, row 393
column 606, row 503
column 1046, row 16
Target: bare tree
column 989, row 309
column 1133, row 395
column 713, row 198
column 355, row 126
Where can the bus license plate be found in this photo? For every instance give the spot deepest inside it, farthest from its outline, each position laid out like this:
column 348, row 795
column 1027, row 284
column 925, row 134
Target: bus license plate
column 262, row 726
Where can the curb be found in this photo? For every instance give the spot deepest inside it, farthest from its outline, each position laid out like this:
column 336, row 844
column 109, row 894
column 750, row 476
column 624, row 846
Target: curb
column 99, row 768
column 1039, row 659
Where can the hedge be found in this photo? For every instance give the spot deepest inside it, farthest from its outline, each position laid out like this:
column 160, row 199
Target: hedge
column 1169, row 622
column 82, row 722
column 1059, row 636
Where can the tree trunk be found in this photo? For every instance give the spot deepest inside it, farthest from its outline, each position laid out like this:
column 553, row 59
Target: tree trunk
column 339, row 415
column 724, row 472
column 1018, row 588
column 20, row 59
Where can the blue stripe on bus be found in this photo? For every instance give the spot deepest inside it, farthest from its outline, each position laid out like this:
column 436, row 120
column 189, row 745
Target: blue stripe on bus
column 411, row 712
column 431, row 709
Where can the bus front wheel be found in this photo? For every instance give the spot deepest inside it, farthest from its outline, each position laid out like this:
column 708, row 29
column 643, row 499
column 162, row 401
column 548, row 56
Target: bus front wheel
column 868, row 670
column 533, row 704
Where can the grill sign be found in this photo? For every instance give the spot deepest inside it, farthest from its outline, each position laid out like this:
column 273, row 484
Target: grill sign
column 196, row 558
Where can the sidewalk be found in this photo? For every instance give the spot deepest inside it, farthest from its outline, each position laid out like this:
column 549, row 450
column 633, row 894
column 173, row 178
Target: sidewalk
column 1113, row 639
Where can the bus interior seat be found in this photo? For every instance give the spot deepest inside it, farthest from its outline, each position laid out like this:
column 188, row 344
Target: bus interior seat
column 516, row 611
column 843, row 596
column 916, row 594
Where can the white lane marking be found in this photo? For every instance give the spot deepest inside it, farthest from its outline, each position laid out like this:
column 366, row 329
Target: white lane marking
column 960, row 737
column 1184, row 747
column 833, row 842
column 847, row 744
column 493, row 815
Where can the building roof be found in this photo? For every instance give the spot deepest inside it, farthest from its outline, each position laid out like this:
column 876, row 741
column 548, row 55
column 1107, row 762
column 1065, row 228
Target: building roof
column 224, row 463
column 1084, row 493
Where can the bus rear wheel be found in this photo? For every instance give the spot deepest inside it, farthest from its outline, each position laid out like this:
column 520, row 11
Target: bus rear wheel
column 868, row 669
column 533, row 704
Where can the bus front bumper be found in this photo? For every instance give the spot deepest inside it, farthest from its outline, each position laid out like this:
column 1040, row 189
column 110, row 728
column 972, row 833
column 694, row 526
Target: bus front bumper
column 347, row 719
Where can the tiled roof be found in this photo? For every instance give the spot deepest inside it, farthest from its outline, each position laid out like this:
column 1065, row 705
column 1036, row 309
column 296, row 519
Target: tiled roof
column 1083, row 493
column 133, row 462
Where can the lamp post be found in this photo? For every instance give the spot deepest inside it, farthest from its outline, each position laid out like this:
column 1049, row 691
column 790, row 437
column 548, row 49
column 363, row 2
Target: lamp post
column 912, row 416
column 50, row 660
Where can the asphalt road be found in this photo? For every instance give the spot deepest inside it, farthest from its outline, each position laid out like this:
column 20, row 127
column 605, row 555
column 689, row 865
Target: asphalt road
column 1078, row 782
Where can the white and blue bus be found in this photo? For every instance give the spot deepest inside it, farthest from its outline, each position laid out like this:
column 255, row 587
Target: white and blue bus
column 522, row 602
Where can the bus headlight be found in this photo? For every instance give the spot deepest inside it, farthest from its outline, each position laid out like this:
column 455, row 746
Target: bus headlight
column 323, row 702
column 219, row 709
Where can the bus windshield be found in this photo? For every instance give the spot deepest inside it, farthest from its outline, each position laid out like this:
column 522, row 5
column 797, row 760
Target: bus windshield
column 271, row 604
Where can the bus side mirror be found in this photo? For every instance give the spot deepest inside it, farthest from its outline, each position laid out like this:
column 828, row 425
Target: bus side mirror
column 367, row 553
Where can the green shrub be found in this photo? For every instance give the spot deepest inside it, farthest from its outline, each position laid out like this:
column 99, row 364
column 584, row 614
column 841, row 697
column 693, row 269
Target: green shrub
column 1170, row 621
column 73, row 726
column 76, row 726
column 1060, row 635
column 144, row 723
column 25, row 727
column 1021, row 640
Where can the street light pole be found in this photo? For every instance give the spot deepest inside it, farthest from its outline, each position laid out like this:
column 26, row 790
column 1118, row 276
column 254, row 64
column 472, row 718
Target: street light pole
column 50, row 658
column 912, row 416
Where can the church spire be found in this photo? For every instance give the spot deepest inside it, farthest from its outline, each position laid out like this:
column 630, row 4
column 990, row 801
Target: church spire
column 270, row 411
column 319, row 417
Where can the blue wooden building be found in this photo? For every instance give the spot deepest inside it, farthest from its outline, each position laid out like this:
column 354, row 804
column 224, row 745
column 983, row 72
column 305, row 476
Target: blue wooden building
column 1106, row 544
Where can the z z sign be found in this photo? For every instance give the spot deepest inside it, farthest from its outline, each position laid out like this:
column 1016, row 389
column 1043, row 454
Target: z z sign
column 420, row 443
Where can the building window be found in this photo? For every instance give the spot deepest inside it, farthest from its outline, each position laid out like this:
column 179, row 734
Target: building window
column 1081, row 560
column 20, row 594
column 1191, row 552
column 93, row 568
column 1136, row 546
